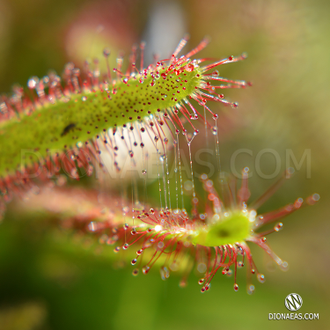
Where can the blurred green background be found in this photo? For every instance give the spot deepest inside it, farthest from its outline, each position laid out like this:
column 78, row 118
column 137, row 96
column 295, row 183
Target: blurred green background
column 47, row 281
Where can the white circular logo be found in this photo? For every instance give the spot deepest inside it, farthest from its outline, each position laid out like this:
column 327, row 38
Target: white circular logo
column 293, row 302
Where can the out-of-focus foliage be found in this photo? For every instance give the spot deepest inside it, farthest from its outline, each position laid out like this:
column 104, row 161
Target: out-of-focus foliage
column 52, row 282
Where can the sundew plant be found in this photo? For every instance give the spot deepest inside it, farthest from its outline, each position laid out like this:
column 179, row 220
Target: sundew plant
column 153, row 179
column 63, row 124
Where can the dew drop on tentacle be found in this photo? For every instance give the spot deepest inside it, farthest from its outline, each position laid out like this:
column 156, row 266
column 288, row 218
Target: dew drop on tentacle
column 116, row 249
column 133, row 231
column 92, row 226
column 183, row 283
column 278, row 226
column 135, row 272
column 145, row 270
column 234, row 105
column 160, row 245
column 125, row 246
column 261, row 278
column 164, row 273
column 139, row 252
column 201, row 268
column 284, row 265
column 229, row 272
column 174, row 266
column 250, row 289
